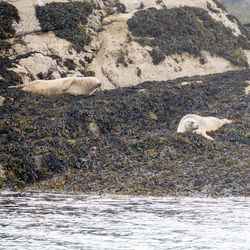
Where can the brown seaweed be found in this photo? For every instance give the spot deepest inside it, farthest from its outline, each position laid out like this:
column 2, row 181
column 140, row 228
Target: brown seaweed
column 48, row 141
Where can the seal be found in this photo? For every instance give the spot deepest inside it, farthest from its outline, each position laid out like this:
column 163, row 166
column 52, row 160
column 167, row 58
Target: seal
column 200, row 125
column 72, row 85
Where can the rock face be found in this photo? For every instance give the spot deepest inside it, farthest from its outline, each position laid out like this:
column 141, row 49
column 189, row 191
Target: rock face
column 121, row 42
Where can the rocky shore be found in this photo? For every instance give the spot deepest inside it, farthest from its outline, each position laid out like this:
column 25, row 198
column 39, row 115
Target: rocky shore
column 124, row 141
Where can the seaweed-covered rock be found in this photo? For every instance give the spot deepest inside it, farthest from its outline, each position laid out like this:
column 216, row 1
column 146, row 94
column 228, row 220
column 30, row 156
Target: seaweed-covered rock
column 56, row 38
column 8, row 14
column 67, row 20
column 247, row 27
column 167, row 40
column 2, row 99
column 125, row 140
column 186, row 29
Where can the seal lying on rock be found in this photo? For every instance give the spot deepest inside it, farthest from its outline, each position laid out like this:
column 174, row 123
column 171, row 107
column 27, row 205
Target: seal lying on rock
column 72, row 85
column 201, row 125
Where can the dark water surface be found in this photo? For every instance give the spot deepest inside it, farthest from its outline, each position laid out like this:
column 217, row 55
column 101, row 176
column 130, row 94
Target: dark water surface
column 33, row 220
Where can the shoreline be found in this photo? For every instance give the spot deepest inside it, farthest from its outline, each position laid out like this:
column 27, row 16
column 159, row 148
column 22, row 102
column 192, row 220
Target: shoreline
column 36, row 190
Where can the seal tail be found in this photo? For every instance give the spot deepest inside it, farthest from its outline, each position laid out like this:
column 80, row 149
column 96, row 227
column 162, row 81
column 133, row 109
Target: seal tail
column 17, row 86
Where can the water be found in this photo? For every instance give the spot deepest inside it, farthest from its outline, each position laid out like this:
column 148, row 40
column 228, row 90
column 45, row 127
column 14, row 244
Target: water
column 33, row 220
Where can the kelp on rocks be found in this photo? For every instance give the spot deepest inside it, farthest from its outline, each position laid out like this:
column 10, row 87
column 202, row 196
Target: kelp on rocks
column 124, row 141
column 67, row 20
column 186, row 29
column 8, row 14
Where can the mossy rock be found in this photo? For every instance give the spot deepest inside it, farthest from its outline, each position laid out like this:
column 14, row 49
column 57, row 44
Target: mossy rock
column 67, row 20
column 186, row 29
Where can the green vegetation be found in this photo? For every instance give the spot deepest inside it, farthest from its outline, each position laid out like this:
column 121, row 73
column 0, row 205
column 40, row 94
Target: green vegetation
column 28, row 128
column 2, row 183
column 162, row 138
column 238, row 165
column 72, row 141
column 191, row 30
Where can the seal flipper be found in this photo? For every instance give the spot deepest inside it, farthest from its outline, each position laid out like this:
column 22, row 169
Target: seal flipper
column 20, row 86
column 203, row 133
